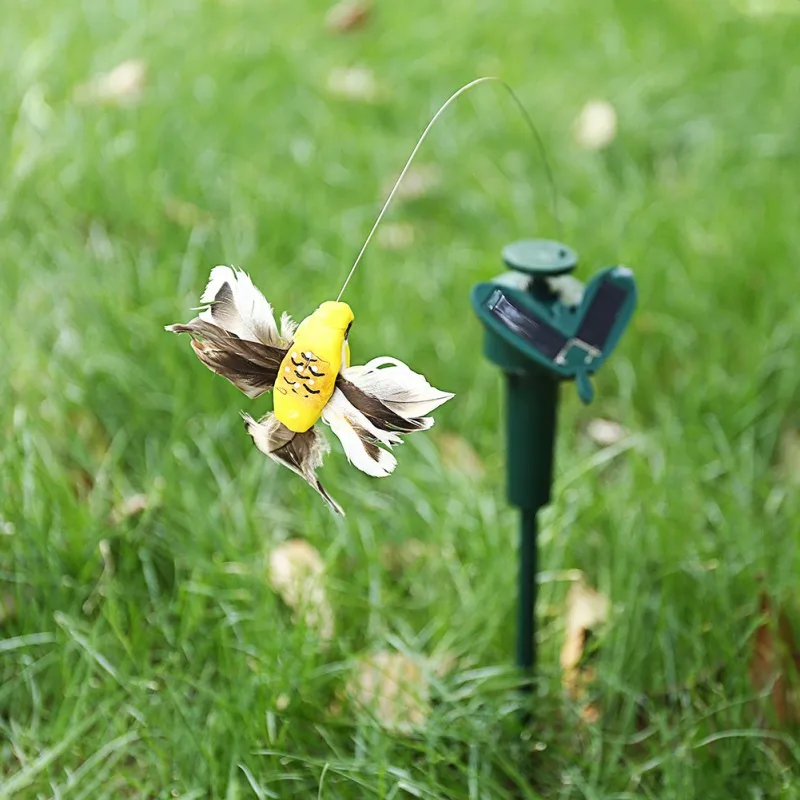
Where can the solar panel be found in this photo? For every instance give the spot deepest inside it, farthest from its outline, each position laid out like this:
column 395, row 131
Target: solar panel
column 546, row 339
column 602, row 314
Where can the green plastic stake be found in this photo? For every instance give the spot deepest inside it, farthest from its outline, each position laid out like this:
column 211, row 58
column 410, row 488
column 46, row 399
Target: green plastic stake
column 543, row 327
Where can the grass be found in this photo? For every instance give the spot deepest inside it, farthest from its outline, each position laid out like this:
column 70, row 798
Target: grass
column 146, row 658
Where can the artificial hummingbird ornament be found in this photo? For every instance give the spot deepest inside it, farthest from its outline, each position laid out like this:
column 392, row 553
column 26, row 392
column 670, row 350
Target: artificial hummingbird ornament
column 307, row 366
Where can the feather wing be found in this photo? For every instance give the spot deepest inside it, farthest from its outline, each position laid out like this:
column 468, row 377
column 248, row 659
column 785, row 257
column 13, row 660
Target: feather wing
column 234, row 304
column 397, row 387
column 360, row 438
column 302, row 453
column 380, row 413
column 251, row 367
column 373, row 404
column 235, row 334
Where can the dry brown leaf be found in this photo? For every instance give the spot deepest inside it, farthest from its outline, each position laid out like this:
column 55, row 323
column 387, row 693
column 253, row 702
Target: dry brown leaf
column 348, row 15
column 129, row 507
column 123, row 85
column 82, row 482
column 90, row 443
column 459, row 455
column 394, row 688
column 296, row 573
column 353, row 83
column 596, row 125
column 418, row 182
column 775, row 662
column 605, row 432
column 590, row 712
column 396, row 236
column 586, row 609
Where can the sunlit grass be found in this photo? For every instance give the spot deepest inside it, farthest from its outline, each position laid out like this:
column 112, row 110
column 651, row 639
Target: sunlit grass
column 149, row 657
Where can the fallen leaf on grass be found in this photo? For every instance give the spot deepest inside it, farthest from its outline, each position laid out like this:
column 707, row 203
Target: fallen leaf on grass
column 348, row 15
column 459, row 455
column 129, row 507
column 605, row 432
column 775, row 663
column 123, row 85
column 586, row 609
column 394, row 688
column 596, row 126
column 353, row 83
column 82, row 482
column 296, row 573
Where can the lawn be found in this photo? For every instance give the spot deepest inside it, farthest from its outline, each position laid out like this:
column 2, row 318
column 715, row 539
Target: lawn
column 143, row 650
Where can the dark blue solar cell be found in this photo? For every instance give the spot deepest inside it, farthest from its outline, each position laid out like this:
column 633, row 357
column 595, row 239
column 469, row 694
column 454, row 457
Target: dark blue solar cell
column 602, row 314
column 546, row 339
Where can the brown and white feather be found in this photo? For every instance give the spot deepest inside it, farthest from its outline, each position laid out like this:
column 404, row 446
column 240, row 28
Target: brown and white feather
column 372, row 405
column 234, row 304
column 251, row 367
column 360, row 438
column 397, row 387
column 378, row 412
column 302, row 453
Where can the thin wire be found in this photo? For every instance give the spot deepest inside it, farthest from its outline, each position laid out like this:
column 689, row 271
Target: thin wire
column 442, row 109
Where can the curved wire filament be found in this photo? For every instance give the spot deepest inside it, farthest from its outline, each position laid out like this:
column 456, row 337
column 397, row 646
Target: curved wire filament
column 453, row 97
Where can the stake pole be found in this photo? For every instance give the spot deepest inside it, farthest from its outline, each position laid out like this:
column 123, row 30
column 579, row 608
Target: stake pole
column 526, row 603
column 532, row 404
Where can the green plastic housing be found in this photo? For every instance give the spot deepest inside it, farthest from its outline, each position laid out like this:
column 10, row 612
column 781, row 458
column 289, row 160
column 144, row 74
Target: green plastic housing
column 544, row 344
column 576, row 360
column 542, row 328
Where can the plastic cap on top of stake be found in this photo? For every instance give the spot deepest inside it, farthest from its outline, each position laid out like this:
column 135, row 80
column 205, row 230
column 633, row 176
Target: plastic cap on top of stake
column 540, row 258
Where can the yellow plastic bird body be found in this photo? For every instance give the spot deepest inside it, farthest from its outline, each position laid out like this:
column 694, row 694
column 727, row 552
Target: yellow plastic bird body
column 307, row 375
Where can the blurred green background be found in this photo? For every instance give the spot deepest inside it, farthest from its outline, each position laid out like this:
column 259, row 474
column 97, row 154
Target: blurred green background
column 144, row 652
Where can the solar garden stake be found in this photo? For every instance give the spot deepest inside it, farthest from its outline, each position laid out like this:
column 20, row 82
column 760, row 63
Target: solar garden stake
column 542, row 327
